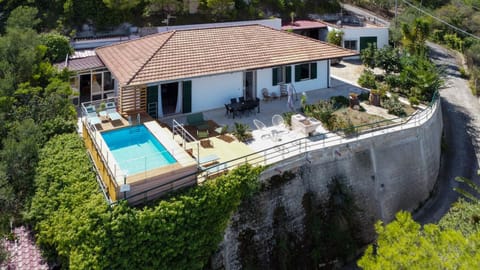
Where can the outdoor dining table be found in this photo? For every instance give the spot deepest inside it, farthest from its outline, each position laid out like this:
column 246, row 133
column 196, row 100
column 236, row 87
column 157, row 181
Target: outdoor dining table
column 243, row 106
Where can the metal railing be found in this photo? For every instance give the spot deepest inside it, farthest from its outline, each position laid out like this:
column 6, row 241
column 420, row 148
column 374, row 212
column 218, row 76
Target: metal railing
column 302, row 146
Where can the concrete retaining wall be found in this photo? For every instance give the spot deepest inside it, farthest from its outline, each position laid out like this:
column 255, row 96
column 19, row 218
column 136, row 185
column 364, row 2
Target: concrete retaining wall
column 387, row 173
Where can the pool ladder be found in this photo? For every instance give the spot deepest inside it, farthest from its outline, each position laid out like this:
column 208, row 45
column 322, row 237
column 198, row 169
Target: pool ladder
column 130, row 122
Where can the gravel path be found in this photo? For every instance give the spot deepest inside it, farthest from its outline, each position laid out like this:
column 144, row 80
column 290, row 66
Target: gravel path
column 460, row 157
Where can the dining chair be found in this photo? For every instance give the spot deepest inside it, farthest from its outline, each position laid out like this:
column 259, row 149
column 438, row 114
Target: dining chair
column 241, row 99
column 233, row 100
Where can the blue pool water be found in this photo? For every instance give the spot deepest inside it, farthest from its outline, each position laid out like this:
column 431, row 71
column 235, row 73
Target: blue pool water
column 136, row 150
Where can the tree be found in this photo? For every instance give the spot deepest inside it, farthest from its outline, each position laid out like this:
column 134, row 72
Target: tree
column 404, row 244
column 162, row 7
column 415, row 35
column 388, row 59
column 367, row 56
column 58, row 46
column 220, row 8
column 335, row 37
column 19, row 156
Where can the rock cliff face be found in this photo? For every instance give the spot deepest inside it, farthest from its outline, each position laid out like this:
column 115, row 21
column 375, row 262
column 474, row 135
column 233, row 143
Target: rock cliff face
column 387, row 173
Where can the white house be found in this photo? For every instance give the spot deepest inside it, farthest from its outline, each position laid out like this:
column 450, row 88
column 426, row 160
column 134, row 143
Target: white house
column 357, row 36
column 200, row 69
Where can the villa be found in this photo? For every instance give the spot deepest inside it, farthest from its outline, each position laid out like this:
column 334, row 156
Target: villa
column 184, row 72
column 195, row 70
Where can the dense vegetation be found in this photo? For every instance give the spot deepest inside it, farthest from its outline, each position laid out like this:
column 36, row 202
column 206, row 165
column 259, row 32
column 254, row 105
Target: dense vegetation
column 78, row 229
column 34, row 106
column 404, row 244
column 67, row 16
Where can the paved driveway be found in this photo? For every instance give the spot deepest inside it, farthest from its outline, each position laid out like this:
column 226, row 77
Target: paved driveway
column 461, row 113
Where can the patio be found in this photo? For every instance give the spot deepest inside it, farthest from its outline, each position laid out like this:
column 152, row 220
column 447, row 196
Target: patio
column 267, row 110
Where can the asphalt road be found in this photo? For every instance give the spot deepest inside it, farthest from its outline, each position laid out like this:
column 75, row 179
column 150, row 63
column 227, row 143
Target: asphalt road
column 460, row 155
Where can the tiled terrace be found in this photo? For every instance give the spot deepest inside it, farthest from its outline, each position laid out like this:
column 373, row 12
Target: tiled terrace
column 267, row 110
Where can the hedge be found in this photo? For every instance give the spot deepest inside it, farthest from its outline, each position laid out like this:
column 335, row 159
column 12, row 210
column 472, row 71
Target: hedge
column 76, row 228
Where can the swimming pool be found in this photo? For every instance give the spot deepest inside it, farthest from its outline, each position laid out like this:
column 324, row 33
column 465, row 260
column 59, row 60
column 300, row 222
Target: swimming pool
column 136, row 150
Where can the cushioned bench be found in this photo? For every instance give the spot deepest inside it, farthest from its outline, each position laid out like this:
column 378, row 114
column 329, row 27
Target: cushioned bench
column 196, row 120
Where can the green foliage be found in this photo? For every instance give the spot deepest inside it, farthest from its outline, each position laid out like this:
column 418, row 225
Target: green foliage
column 388, row 59
column 288, row 117
column 323, row 111
column 413, row 101
column 162, row 7
column 367, row 56
column 19, row 156
column 415, row 35
column 332, row 224
column 241, row 132
column 220, row 9
column 367, row 79
column 453, row 42
column 23, row 17
column 363, row 96
column 335, row 37
column 394, row 106
column 404, row 244
column 34, row 106
column 463, row 216
column 77, row 228
column 58, row 46
column 339, row 102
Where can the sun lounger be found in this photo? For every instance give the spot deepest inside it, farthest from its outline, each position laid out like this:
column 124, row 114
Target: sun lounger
column 112, row 113
column 92, row 117
column 208, row 159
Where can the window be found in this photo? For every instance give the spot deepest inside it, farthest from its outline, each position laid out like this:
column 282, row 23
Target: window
column 281, row 74
column 350, row 44
column 305, row 71
column 108, row 81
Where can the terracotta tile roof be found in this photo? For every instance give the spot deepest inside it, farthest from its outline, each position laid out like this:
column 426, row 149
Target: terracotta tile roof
column 199, row 52
column 79, row 64
column 301, row 24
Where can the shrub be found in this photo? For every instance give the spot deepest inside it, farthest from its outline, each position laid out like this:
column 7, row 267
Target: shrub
column 394, row 106
column 363, row 96
column 241, row 132
column 74, row 223
column 392, row 80
column 367, row 79
column 464, row 73
column 413, row 101
column 339, row 101
column 287, row 116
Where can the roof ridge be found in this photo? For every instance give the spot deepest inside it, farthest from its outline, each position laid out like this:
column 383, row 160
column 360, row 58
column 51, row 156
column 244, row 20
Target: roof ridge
column 150, row 58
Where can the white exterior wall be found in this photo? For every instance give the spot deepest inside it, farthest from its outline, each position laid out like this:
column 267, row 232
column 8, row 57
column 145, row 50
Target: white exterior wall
column 211, row 92
column 264, row 80
column 320, row 82
column 354, row 33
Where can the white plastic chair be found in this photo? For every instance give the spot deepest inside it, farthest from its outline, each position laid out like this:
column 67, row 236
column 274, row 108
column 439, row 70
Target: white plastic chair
column 277, row 121
column 262, row 127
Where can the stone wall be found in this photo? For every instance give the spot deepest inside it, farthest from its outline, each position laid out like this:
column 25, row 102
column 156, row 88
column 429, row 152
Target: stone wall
column 387, row 173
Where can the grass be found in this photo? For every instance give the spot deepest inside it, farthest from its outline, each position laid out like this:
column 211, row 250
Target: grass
column 359, row 118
